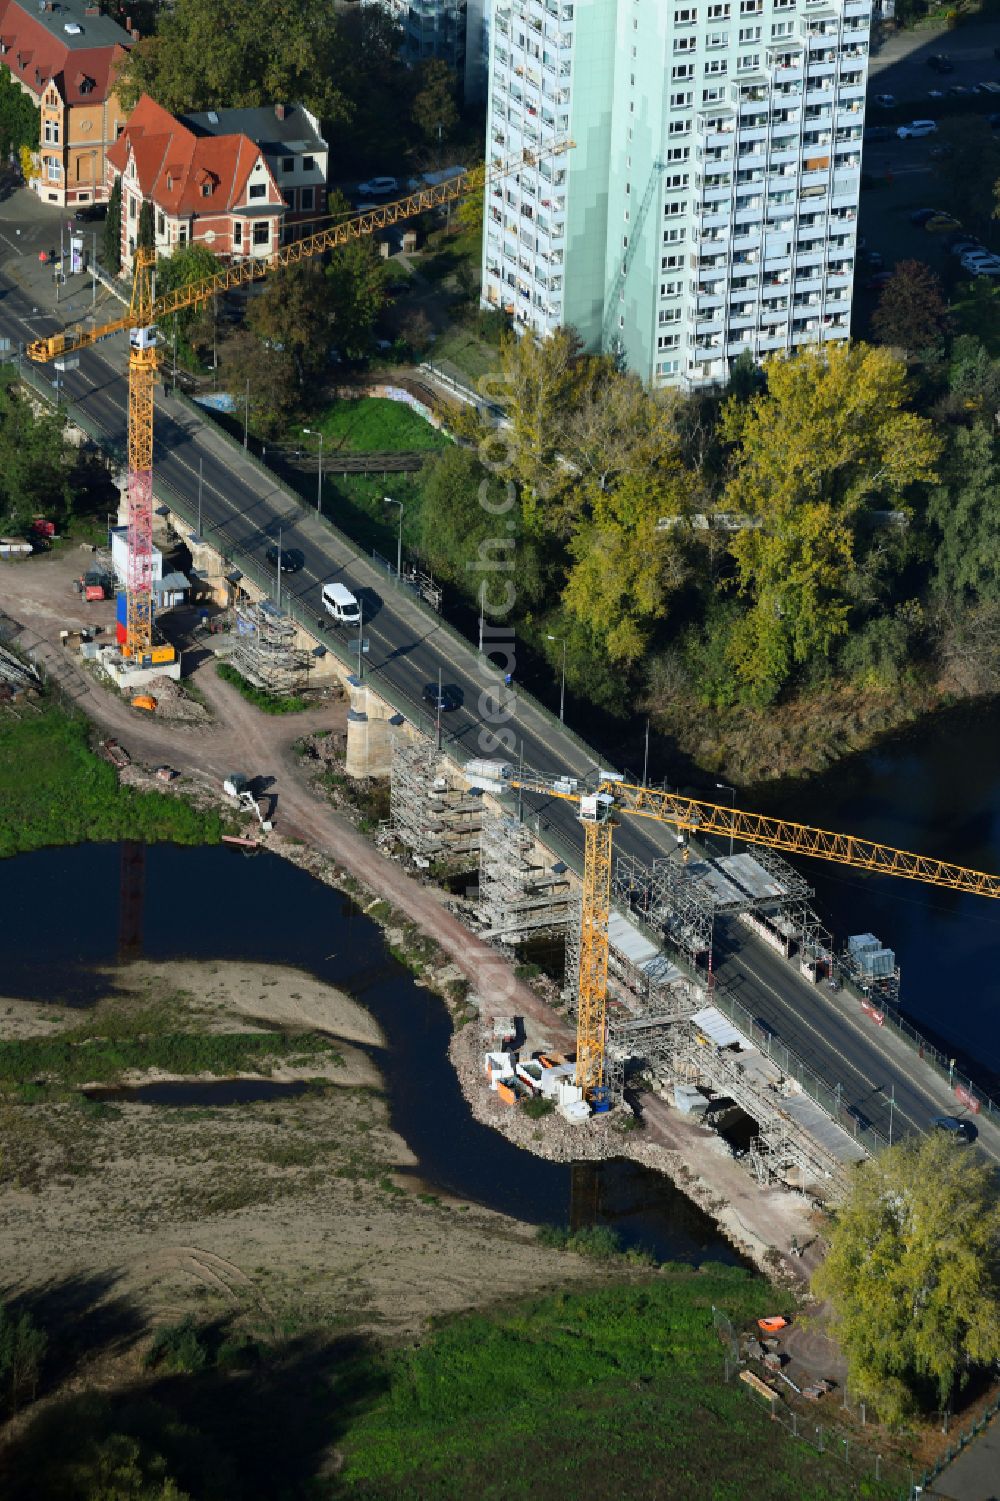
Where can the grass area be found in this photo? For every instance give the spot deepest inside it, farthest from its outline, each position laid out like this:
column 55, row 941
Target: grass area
column 55, row 790
column 975, row 309
column 268, row 703
column 112, row 1042
column 462, row 347
column 356, row 504
column 623, row 1382
column 373, row 424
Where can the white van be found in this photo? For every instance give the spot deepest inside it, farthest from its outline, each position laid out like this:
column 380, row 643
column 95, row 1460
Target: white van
column 339, row 602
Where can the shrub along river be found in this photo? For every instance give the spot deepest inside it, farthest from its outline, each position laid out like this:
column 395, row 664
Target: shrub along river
column 64, row 920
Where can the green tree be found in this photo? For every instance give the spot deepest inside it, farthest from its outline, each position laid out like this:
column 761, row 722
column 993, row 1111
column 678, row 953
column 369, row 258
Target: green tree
column 22, row 1351
column 828, row 436
column 111, row 243
column 119, row 1468
column 435, row 113
column 145, row 239
column 470, row 534
column 19, row 117
column 912, row 313
column 469, row 214
column 294, row 311
column 912, row 1274
column 185, row 267
column 965, row 513
column 267, row 51
column 378, row 89
column 967, row 176
column 356, row 289
column 35, row 462
column 272, row 382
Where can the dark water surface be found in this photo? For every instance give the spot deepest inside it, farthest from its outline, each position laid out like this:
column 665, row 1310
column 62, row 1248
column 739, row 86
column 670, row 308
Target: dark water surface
column 66, row 912
column 936, row 791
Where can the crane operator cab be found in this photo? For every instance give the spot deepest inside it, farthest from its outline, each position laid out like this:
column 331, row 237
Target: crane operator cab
column 142, row 338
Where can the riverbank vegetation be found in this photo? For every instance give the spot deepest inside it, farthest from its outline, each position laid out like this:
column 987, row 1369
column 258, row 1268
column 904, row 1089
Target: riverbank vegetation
column 623, row 1380
column 912, row 1276
column 269, row 703
column 55, row 790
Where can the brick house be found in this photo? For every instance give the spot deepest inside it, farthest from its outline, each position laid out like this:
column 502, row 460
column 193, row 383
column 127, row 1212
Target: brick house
column 65, row 56
column 217, row 190
column 289, row 136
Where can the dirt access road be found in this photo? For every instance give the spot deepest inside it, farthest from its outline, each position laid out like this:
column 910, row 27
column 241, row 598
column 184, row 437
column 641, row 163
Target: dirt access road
column 38, row 594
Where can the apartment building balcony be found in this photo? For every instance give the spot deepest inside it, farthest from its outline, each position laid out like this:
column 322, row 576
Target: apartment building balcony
column 752, row 133
column 717, row 195
column 748, row 240
column 710, row 328
column 773, row 314
column 709, row 302
column 711, row 223
column 766, row 343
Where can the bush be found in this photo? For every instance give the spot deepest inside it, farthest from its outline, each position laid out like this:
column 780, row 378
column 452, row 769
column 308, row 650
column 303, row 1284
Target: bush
column 269, row 703
column 178, row 1349
column 22, row 1350
column 598, row 1241
column 535, row 1109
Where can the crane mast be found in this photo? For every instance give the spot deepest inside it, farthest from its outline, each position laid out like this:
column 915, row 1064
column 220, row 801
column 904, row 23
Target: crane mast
column 597, row 813
column 146, row 310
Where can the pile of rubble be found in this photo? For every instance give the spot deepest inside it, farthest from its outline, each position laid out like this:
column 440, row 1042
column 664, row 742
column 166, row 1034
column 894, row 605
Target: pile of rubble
column 16, row 677
column 173, row 703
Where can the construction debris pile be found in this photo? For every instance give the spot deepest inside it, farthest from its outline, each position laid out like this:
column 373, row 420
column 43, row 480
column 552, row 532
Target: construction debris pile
column 16, row 677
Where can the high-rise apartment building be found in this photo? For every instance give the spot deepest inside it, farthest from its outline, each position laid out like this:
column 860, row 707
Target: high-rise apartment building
column 709, row 204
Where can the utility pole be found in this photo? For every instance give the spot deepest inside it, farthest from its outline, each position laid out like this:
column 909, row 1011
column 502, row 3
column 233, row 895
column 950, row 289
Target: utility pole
column 361, row 640
column 246, row 408
column 315, row 433
column 278, row 600
column 93, row 282
column 892, row 1104
column 645, row 758
column 562, row 685
column 387, row 500
column 201, row 463
column 482, row 606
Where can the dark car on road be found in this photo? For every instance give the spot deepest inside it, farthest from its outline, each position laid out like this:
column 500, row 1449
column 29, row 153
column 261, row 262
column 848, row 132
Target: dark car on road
column 958, row 1130
column 940, row 63
column 444, row 699
column 290, row 557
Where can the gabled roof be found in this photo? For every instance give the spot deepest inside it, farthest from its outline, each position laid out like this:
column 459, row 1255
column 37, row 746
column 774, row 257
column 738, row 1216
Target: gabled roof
column 289, row 127
column 81, row 63
column 173, row 165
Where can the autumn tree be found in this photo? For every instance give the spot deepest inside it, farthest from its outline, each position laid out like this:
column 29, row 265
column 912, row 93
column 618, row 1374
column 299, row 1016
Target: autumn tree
column 829, row 435
column 912, row 313
column 267, row 51
column 19, row 116
column 912, row 1274
column 185, row 267
column 967, row 174
column 270, row 376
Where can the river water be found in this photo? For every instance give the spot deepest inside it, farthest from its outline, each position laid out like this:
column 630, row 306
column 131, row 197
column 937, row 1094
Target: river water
column 934, row 790
column 68, row 912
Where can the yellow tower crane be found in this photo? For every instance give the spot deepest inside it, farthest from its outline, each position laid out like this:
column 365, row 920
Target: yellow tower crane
column 146, row 310
column 691, row 815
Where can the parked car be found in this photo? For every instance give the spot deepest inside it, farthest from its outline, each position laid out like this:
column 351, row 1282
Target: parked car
column 940, row 223
column 958, row 1129
column 916, row 129
column 989, row 87
column 958, row 90
column 938, row 153
column 884, row 101
column 935, row 93
column 291, row 559
column 377, row 187
column 989, row 268
column 962, row 244
column 993, row 121
column 920, row 216
column 941, row 63
column 878, row 133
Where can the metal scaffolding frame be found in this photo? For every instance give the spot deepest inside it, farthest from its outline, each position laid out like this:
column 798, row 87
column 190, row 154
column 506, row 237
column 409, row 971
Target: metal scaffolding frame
column 668, row 900
column 265, row 653
column 431, row 811
column 520, row 897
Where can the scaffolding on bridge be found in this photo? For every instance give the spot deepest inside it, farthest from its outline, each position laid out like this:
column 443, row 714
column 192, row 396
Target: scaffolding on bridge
column 520, row 895
column 431, row 810
column 265, row 653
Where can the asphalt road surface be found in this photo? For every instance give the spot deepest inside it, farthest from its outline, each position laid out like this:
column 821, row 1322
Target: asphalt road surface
column 243, row 508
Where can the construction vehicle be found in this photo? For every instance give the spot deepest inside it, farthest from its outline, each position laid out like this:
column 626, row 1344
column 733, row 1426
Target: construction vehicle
column 237, row 786
column 94, row 585
column 598, row 810
column 146, row 310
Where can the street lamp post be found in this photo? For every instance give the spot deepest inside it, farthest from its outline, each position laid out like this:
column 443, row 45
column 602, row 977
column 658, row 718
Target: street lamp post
column 725, row 787
column 315, row 433
column 246, row 414
column 387, row 500
column 562, row 686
